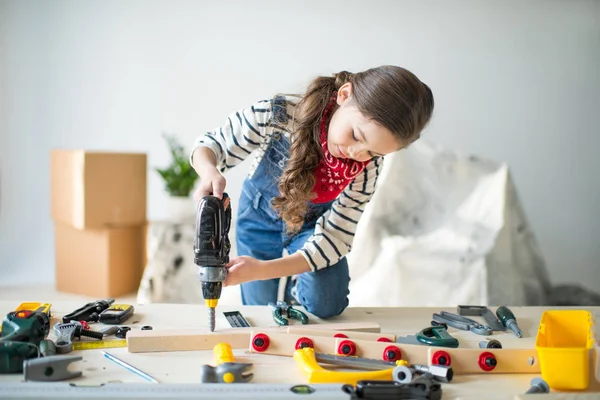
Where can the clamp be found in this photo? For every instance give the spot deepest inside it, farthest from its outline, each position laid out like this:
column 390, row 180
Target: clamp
column 306, row 360
column 48, row 369
column 281, row 310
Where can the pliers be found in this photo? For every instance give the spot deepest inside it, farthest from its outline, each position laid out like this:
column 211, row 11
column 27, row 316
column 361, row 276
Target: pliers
column 281, row 310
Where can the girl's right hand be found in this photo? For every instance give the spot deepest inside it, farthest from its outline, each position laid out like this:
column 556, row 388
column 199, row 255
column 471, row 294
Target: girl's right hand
column 211, row 183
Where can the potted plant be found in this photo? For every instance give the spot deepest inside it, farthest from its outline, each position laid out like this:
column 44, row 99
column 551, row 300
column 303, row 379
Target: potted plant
column 179, row 178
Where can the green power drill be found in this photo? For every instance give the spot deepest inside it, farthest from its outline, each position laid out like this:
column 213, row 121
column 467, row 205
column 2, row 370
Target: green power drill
column 22, row 332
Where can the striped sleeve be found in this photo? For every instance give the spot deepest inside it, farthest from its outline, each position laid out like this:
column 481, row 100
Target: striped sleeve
column 334, row 230
column 239, row 136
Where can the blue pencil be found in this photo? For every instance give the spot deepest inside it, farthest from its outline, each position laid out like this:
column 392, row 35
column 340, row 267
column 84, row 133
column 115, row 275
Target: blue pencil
column 130, row 367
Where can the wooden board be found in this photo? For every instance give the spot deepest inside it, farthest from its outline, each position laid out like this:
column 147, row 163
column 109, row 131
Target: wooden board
column 463, row 360
column 301, row 330
column 181, row 340
column 163, row 340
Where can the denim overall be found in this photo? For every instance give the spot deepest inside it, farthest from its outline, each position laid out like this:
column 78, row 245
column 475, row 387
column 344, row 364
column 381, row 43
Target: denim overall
column 260, row 233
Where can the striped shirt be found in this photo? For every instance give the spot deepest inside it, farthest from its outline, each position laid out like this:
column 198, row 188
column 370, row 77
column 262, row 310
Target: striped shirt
column 248, row 132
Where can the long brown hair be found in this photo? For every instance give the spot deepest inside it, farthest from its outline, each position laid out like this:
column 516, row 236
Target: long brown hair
column 389, row 95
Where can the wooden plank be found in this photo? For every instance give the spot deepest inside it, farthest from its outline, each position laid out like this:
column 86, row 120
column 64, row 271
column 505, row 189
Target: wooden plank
column 373, row 327
column 285, row 344
column 508, row 361
column 463, row 360
column 306, row 331
column 181, row 340
column 163, row 340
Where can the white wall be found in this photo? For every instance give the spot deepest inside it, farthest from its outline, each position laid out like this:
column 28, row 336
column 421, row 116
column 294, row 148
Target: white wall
column 513, row 81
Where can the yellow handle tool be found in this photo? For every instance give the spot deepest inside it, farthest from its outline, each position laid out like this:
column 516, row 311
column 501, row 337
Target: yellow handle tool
column 226, row 370
column 306, row 360
column 223, row 353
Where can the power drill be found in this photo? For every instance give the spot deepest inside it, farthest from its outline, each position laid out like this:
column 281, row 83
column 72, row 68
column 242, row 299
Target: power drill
column 211, row 248
column 22, row 332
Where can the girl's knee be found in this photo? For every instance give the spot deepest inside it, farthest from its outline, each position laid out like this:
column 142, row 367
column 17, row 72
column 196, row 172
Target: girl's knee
column 326, row 310
column 321, row 304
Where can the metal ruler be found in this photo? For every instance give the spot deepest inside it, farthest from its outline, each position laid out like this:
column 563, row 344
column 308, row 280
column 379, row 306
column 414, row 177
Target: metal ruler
column 100, row 344
column 164, row 391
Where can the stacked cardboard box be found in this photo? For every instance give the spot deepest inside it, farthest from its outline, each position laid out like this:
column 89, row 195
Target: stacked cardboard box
column 98, row 205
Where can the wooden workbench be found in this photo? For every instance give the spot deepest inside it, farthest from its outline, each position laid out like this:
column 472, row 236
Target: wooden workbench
column 184, row 367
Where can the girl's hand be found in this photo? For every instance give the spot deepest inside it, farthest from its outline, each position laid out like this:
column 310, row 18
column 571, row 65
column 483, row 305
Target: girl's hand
column 243, row 269
column 211, row 183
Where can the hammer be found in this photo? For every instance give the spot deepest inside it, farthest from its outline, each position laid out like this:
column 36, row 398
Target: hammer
column 226, row 369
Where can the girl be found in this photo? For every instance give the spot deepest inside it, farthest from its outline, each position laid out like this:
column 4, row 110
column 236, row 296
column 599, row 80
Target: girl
column 317, row 159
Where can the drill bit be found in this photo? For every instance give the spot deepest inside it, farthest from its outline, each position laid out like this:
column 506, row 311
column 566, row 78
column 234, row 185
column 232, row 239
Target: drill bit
column 211, row 318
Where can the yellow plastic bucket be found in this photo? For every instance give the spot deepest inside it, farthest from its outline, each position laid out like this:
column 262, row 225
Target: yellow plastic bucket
column 563, row 343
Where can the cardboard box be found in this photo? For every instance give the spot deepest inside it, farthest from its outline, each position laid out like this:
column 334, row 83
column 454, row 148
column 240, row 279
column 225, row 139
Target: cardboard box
column 93, row 190
column 99, row 262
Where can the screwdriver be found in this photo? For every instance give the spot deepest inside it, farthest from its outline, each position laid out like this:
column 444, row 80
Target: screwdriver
column 508, row 320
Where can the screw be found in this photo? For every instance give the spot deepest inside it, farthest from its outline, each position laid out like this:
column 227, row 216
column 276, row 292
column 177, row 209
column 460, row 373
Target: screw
column 538, row 385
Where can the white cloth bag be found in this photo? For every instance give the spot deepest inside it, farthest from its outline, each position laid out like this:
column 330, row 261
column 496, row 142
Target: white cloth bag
column 445, row 229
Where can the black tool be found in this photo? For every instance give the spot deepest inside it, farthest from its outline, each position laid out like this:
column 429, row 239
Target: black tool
column 236, row 319
column 116, row 314
column 422, row 387
column 211, row 248
column 482, row 311
column 89, row 312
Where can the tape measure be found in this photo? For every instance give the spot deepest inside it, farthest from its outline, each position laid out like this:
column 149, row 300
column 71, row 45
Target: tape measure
column 100, row 344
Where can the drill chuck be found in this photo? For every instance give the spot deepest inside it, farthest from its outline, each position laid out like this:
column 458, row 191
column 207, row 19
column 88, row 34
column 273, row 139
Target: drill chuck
column 211, row 290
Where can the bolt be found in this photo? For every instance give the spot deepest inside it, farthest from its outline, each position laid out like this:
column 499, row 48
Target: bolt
column 440, row 373
column 538, row 385
column 492, row 344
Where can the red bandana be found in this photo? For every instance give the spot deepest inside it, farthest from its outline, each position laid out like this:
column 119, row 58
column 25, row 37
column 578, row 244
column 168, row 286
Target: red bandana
column 333, row 174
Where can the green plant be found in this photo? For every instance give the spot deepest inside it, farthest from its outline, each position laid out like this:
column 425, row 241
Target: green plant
column 179, row 176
